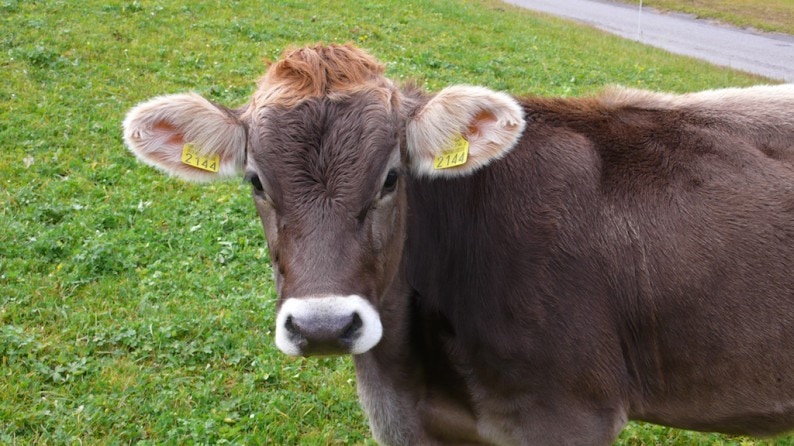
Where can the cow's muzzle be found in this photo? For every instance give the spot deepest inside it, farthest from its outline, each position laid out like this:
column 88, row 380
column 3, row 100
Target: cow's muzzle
column 329, row 325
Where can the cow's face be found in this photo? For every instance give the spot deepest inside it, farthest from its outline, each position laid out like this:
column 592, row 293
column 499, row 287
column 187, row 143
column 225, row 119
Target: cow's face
column 326, row 143
column 327, row 177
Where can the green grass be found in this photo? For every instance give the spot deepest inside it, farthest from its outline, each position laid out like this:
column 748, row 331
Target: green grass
column 137, row 309
column 765, row 15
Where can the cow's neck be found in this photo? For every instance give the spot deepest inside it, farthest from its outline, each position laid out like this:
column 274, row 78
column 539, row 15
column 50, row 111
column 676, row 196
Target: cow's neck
column 389, row 377
column 408, row 384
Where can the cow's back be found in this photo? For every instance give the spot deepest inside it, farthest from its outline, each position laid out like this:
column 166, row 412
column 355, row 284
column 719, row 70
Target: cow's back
column 633, row 249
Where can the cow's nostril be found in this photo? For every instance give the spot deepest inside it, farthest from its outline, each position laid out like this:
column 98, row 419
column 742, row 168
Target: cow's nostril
column 289, row 324
column 352, row 328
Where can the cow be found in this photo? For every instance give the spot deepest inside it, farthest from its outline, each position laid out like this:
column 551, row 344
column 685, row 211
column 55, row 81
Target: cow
column 508, row 270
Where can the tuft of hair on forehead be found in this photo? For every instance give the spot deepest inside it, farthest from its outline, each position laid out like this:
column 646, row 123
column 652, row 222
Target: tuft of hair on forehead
column 320, row 70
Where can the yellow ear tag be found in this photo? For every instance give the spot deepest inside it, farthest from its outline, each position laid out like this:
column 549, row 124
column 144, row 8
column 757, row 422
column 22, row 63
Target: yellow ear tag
column 192, row 158
column 452, row 156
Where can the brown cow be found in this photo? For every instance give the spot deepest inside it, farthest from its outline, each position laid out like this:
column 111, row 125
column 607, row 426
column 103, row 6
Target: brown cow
column 534, row 271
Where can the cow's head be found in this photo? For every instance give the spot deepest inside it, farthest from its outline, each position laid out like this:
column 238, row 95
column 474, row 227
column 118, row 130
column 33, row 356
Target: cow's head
column 327, row 143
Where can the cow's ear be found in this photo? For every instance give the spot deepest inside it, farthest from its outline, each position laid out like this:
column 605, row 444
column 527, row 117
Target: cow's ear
column 188, row 136
column 460, row 123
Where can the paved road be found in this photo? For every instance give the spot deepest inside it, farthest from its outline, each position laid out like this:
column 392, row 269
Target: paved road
column 767, row 54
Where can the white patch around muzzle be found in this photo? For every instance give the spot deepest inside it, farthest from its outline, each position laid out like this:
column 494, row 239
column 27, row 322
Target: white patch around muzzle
column 324, row 311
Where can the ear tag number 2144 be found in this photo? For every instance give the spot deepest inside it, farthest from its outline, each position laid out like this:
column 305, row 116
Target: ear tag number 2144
column 455, row 155
column 192, row 158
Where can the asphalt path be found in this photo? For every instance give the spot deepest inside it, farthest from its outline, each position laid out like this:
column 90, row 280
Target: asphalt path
column 768, row 54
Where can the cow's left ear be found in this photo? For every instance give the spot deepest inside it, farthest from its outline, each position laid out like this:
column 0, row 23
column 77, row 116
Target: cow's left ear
column 462, row 129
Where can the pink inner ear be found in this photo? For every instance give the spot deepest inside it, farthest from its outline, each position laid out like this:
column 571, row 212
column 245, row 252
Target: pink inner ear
column 480, row 121
column 165, row 129
column 165, row 144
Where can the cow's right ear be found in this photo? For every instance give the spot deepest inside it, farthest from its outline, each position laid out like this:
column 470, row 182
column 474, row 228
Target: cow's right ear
column 187, row 136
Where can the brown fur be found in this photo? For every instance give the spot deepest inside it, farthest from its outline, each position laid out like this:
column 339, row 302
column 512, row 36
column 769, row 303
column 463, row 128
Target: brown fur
column 607, row 268
column 629, row 258
column 335, row 71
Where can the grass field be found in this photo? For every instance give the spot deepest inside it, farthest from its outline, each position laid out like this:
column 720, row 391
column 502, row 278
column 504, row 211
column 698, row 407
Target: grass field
column 137, row 309
column 765, row 15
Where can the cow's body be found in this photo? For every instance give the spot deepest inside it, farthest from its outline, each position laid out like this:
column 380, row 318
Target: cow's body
column 624, row 262
column 621, row 257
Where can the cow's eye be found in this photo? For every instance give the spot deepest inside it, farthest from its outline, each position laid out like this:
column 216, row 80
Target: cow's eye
column 255, row 182
column 391, row 181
